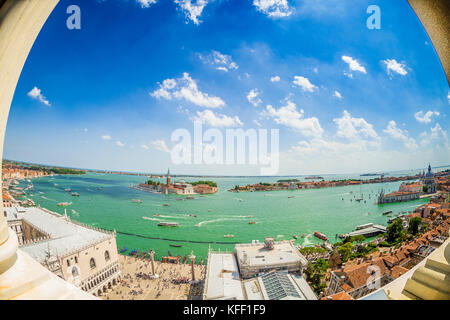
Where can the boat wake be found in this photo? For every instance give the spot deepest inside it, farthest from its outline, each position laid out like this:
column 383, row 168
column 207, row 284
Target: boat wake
column 172, row 217
column 306, row 241
column 43, row 197
column 215, row 220
column 152, row 219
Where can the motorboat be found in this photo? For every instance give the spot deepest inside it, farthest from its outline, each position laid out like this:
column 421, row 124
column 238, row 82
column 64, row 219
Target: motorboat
column 168, row 224
column 321, row 236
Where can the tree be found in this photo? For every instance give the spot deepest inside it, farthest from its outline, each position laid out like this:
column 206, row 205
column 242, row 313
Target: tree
column 315, row 272
column 321, row 265
column 346, row 251
column 359, row 238
column 395, row 231
column 335, row 260
column 414, row 224
column 425, row 189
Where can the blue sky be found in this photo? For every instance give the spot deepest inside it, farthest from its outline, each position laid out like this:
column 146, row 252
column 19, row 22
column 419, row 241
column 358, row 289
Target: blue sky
column 345, row 98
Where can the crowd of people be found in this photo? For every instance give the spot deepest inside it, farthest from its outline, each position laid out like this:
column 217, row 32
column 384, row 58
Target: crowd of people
column 170, row 281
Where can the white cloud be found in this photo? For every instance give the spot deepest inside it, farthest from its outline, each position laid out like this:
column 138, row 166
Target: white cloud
column 437, row 136
column 425, row 118
column 356, row 140
column 349, row 75
column 399, row 134
column 146, row 3
column 275, row 79
column 337, row 94
column 219, row 120
column 316, row 70
column 335, row 151
column 106, row 137
column 448, row 97
column 253, row 98
column 36, row 94
column 85, row 130
column 186, row 88
column 289, row 116
column 393, row 65
column 354, row 128
column 222, row 61
column 273, row 8
column 144, row 146
column 160, row 145
column 192, row 10
column 353, row 64
column 120, row 144
column 304, row 83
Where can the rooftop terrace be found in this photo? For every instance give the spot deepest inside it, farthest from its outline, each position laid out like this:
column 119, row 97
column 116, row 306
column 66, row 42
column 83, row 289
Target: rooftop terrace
column 66, row 236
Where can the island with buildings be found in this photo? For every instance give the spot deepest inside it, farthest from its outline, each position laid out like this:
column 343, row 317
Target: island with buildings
column 295, row 184
column 426, row 185
column 178, row 187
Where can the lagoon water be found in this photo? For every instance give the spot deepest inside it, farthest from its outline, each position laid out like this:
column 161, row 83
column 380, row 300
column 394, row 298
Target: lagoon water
column 328, row 210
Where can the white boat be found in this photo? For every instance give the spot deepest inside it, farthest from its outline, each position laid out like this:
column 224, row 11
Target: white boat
column 67, row 190
column 228, row 236
column 75, row 194
column 136, row 200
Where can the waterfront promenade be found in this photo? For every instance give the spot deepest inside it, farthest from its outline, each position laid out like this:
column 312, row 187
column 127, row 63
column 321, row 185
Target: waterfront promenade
column 136, row 285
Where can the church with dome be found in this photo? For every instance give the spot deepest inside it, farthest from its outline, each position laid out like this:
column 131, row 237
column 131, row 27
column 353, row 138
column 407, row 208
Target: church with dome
column 428, row 181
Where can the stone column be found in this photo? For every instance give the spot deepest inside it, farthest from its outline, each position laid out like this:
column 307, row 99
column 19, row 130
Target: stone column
column 152, row 258
column 192, row 257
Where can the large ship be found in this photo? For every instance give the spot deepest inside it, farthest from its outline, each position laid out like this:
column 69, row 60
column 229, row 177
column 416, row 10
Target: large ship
column 321, row 236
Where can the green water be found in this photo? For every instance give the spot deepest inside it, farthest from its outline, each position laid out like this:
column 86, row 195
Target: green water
column 328, row 210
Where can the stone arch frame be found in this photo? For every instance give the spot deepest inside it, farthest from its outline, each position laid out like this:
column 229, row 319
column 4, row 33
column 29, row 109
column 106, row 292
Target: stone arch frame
column 107, row 256
column 92, row 263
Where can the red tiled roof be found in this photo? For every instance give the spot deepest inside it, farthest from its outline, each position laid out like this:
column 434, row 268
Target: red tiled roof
column 339, row 296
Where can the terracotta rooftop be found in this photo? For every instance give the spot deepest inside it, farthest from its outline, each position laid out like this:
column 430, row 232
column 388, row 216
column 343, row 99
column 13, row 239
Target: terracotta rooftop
column 339, row 296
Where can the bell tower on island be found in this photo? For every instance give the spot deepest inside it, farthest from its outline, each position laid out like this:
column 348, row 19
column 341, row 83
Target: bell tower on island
column 168, row 177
